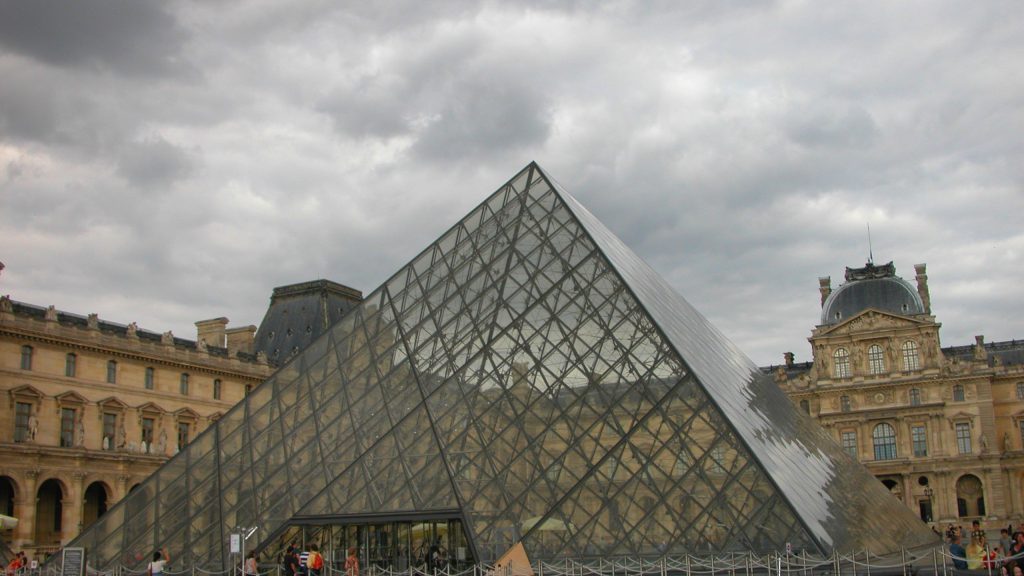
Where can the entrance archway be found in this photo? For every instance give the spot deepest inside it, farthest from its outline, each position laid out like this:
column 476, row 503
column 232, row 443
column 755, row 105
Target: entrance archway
column 95, row 504
column 970, row 496
column 49, row 512
column 7, row 495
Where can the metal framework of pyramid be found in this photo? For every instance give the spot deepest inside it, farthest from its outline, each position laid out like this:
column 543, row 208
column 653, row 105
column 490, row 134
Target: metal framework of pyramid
column 526, row 370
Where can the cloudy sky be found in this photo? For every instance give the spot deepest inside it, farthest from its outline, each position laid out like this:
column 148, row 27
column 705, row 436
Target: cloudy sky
column 165, row 162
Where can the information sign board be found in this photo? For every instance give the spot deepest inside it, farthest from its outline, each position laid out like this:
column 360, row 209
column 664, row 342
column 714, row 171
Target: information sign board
column 73, row 562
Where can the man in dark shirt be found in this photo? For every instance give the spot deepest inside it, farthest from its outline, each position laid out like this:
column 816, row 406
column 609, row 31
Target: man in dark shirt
column 958, row 553
column 291, row 562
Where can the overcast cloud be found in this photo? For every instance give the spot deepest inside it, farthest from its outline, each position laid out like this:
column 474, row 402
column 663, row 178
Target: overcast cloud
column 165, row 162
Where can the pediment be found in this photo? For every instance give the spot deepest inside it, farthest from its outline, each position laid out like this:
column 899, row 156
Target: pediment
column 112, row 403
column 26, row 391
column 151, row 407
column 187, row 413
column 71, row 397
column 871, row 319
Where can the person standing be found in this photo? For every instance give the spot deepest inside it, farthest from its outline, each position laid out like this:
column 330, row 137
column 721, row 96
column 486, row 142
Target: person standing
column 291, row 562
column 352, row 563
column 160, row 559
column 315, row 562
column 957, row 552
column 251, row 569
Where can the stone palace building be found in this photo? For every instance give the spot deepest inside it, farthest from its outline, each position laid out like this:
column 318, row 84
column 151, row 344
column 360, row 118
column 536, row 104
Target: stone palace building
column 942, row 428
column 91, row 408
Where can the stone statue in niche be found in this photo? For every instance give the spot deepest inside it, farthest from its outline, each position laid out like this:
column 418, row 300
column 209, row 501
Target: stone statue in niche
column 983, row 442
column 33, row 427
column 1006, row 442
column 5, row 304
column 80, row 433
column 122, row 438
column 161, row 444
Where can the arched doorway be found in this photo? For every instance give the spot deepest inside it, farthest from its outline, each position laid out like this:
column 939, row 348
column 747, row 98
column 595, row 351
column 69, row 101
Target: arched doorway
column 970, row 496
column 95, row 504
column 49, row 512
column 6, row 505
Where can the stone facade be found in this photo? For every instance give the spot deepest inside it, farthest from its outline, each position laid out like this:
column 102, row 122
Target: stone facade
column 92, row 408
column 943, row 428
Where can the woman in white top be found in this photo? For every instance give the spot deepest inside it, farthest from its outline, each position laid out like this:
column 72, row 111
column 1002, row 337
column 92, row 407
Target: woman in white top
column 250, row 565
column 156, row 567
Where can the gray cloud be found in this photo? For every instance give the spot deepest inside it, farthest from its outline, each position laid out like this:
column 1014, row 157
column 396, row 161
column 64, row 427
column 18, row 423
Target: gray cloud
column 135, row 38
column 739, row 147
column 154, row 163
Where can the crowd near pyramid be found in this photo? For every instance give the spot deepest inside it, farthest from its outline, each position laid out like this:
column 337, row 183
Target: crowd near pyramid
column 531, row 378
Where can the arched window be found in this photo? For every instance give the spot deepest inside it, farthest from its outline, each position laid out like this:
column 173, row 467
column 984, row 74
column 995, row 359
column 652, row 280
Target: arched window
column 70, row 365
column 876, row 359
column 958, row 392
column 915, row 396
column 111, row 372
column 844, row 403
column 884, row 438
column 911, row 361
column 841, row 359
column 26, row 357
column 970, row 496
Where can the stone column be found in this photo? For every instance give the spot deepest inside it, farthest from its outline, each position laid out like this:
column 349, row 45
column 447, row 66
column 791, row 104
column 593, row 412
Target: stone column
column 122, row 488
column 25, row 508
column 71, row 516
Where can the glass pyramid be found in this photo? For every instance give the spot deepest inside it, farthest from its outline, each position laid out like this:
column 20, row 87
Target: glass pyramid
column 532, row 377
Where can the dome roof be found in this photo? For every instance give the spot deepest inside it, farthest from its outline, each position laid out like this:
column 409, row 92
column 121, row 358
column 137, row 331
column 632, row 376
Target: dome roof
column 871, row 287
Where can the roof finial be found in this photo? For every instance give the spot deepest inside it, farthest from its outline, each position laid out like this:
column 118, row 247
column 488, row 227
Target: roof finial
column 871, row 255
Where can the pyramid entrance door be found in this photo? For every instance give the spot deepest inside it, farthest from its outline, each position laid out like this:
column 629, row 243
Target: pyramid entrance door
column 424, row 543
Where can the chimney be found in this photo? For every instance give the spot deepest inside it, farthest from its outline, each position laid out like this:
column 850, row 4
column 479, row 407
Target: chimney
column 825, row 287
column 212, row 331
column 922, row 287
column 789, row 359
column 241, row 339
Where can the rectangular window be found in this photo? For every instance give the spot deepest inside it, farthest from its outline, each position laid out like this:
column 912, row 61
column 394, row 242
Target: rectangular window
column 963, row 437
column 216, row 389
column 919, row 437
column 111, row 372
column 1020, row 390
column 26, row 357
column 183, row 388
column 183, row 429
column 67, row 427
column 22, row 422
column 109, row 430
column 1021, row 424
column 149, row 378
column 850, row 443
column 70, row 365
column 147, row 433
